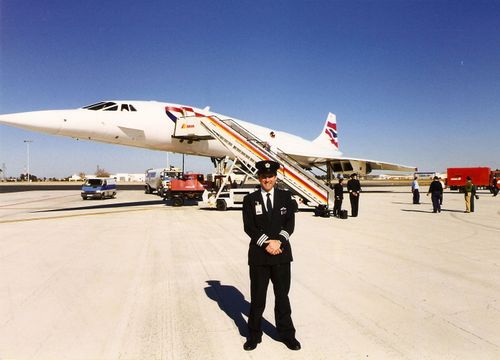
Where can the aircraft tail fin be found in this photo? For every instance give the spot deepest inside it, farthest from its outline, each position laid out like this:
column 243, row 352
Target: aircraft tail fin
column 328, row 136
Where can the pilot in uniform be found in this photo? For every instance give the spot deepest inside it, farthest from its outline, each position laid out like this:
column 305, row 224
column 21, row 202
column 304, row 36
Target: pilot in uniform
column 269, row 220
column 339, row 196
column 436, row 190
column 354, row 188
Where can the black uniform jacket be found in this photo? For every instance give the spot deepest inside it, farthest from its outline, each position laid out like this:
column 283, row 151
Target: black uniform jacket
column 261, row 228
column 339, row 191
column 436, row 187
column 354, row 186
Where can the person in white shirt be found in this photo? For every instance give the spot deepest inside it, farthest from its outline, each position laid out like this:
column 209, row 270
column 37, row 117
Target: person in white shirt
column 415, row 190
column 444, row 187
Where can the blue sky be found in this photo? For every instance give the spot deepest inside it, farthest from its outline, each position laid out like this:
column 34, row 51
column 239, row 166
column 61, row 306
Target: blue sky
column 411, row 82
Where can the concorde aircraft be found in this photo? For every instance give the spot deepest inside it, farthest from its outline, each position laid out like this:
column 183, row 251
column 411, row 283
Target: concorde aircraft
column 152, row 125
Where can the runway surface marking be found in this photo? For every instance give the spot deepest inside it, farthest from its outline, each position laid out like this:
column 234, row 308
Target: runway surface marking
column 75, row 215
column 23, row 208
column 33, row 201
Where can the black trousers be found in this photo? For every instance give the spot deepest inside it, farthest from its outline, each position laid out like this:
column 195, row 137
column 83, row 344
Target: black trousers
column 354, row 204
column 337, row 206
column 436, row 203
column 259, row 280
column 416, row 196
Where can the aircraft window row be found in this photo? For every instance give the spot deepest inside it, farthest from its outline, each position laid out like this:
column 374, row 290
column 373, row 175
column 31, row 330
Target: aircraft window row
column 110, row 106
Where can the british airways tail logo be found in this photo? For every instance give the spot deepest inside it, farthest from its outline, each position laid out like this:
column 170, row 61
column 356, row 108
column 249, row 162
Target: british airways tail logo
column 331, row 132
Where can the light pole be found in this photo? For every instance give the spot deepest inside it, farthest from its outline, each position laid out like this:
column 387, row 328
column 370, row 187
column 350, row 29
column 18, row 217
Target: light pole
column 28, row 153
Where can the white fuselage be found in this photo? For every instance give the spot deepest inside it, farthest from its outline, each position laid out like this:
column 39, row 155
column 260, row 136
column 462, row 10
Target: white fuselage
column 150, row 127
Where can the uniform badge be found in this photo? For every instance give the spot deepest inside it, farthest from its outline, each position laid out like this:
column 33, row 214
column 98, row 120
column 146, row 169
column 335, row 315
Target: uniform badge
column 283, row 210
column 258, row 209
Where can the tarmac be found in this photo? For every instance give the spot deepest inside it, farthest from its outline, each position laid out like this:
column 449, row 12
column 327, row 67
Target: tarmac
column 133, row 278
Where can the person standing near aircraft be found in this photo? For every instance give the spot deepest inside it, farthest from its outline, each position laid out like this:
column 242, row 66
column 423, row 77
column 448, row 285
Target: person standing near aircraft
column 473, row 196
column 270, row 144
column 494, row 186
column 436, row 191
column 354, row 188
column 469, row 193
column 339, row 196
column 269, row 220
column 443, row 185
column 415, row 190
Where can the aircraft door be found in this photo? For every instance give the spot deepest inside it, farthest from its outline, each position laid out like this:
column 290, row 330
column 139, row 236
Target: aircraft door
column 359, row 167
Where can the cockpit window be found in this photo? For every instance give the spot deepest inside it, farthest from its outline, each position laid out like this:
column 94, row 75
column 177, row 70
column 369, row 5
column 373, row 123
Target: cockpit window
column 100, row 105
column 109, row 106
column 96, row 106
column 112, row 107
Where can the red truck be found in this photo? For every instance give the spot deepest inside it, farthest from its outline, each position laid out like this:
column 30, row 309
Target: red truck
column 189, row 186
column 482, row 177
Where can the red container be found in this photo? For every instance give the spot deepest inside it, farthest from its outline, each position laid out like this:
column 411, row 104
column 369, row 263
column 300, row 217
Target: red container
column 457, row 177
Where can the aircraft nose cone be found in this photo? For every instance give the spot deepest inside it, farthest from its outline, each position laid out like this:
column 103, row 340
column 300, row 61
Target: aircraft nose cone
column 18, row 120
column 44, row 121
column 8, row 119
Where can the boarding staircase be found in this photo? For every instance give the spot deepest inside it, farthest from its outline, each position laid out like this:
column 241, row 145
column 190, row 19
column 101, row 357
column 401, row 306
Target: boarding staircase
column 248, row 150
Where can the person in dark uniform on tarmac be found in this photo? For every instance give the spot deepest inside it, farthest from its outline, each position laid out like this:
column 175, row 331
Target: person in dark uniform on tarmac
column 339, row 196
column 494, row 186
column 269, row 220
column 436, row 191
column 473, row 196
column 354, row 188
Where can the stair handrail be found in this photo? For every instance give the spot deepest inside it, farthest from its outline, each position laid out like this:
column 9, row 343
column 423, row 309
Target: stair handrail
column 279, row 154
column 306, row 178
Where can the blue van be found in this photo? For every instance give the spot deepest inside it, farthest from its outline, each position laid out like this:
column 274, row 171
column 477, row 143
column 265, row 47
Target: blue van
column 99, row 188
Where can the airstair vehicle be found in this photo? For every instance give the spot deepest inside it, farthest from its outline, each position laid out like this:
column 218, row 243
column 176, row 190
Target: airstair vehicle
column 248, row 150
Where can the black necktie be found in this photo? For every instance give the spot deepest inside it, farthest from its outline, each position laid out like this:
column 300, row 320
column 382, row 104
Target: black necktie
column 269, row 205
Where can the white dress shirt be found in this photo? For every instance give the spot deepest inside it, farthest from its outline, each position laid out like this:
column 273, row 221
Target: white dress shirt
column 264, row 196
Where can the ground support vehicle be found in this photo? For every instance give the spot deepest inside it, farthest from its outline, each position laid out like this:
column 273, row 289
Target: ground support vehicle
column 157, row 179
column 482, row 177
column 227, row 199
column 232, row 182
column 173, row 173
column 99, row 188
column 189, row 186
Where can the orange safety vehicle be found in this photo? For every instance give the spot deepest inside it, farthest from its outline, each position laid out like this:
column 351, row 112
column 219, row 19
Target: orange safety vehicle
column 188, row 186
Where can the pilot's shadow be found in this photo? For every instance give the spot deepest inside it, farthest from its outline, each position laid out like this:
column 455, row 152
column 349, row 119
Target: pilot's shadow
column 233, row 303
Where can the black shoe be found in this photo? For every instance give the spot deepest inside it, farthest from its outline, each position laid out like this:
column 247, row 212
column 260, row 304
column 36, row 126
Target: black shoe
column 292, row 344
column 251, row 344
